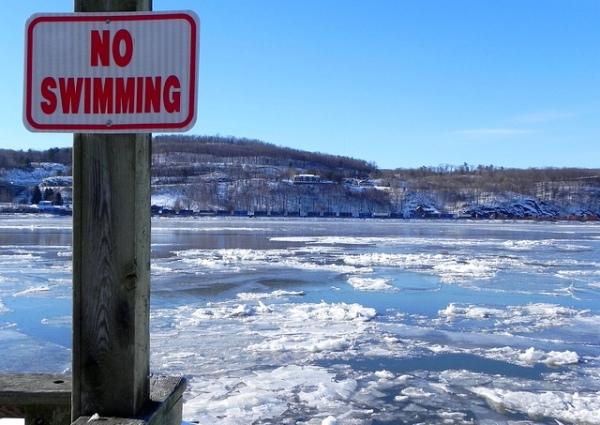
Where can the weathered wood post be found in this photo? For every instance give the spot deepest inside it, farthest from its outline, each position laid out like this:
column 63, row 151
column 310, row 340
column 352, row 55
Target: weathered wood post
column 111, row 263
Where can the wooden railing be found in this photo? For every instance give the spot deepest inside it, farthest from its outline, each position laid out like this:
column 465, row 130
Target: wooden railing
column 45, row 399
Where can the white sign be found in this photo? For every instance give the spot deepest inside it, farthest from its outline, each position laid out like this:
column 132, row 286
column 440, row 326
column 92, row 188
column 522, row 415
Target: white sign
column 111, row 72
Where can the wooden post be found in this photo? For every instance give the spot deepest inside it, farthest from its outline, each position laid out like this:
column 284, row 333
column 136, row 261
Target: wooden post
column 111, row 263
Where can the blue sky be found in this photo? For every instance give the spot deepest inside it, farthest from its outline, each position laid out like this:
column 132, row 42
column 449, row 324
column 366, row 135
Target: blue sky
column 401, row 83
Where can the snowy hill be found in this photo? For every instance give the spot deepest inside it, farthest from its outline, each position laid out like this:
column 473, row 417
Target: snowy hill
column 249, row 177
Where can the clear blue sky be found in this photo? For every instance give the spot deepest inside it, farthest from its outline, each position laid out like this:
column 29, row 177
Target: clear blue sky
column 398, row 82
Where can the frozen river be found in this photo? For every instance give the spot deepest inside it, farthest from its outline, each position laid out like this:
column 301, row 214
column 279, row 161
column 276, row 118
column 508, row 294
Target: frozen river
column 330, row 321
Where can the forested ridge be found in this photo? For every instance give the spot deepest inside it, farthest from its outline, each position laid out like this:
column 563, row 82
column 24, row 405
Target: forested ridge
column 227, row 173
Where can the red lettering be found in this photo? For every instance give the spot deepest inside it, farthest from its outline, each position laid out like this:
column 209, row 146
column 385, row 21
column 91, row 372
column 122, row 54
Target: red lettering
column 139, row 87
column 124, row 95
column 48, row 85
column 100, row 48
column 122, row 59
column 172, row 94
column 87, row 95
column 103, row 96
column 108, row 95
column 70, row 94
column 152, row 99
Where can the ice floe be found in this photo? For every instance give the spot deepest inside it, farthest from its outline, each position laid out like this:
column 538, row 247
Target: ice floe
column 247, row 296
column 450, row 268
column 471, row 312
column 521, row 318
column 561, row 358
column 332, row 240
column 511, row 244
column 265, row 395
column 235, row 259
column 157, row 269
column 529, row 245
column 283, row 328
column 577, row 408
column 57, row 321
column 415, row 392
column 552, row 358
column 281, row 332
column 370, row 284
column 32, row 290
column 329, row 420
column 384, row 374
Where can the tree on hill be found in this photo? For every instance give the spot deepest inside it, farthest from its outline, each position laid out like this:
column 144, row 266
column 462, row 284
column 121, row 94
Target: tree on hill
column 48, row 195
column 256, row 151
column 36, row 195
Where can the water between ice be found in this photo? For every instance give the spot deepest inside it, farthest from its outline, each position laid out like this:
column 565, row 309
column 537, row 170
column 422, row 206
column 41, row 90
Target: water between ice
column 341, row 321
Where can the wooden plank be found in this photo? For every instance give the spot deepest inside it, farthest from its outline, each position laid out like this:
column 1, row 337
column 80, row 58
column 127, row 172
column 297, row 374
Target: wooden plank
column 164, row 407
column 111, row 263
column 163, row 388
column 44, row 399
column 47, row 415
column 85, row 420
column 166, row 395
column 35, row 389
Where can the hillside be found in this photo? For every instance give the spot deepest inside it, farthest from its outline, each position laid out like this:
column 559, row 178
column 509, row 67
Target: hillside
column 211, row 174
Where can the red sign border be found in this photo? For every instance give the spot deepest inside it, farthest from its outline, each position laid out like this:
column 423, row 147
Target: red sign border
column 190, row 17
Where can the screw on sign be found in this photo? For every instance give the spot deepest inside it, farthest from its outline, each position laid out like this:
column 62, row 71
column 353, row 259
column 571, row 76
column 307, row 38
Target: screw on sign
column 111, row 72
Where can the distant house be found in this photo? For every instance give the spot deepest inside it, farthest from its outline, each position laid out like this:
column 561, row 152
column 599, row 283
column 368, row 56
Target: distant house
column 352, row 182
column 362, row 184
column 307, row 179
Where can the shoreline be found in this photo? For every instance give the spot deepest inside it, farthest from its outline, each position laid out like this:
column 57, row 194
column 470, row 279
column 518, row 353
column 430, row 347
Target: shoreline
column 363, row 216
